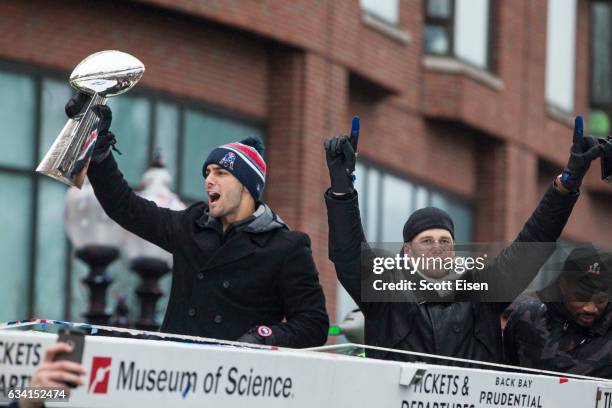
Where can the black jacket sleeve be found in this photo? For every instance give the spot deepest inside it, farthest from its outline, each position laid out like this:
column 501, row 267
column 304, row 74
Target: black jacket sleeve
column 348, row 247
column 517, row 265
column 136, row 214
column 307, row 322
column 510, row 350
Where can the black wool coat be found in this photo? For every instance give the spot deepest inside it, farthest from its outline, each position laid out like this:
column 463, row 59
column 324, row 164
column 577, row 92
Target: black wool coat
column 225, row 284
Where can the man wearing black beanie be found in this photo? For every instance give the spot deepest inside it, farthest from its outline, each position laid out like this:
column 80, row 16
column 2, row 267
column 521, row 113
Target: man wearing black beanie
column 239, row 272
column 445, row 322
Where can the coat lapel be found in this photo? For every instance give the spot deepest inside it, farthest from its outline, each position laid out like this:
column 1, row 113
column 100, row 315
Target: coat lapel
column 239, row 246
column 207, row 236
column 234, row 249
column 402, row 321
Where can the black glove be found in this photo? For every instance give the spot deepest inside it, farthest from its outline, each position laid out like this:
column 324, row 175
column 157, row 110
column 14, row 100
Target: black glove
column 105, row 139
column 584, row 150
column 77, row 104
column 340, row 153
column 259, row 335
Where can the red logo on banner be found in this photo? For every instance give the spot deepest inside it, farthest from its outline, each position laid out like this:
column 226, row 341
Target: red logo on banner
column 100, row 374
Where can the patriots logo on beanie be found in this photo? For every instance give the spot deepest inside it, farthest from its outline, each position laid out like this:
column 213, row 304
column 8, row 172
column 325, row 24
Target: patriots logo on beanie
column 244, row 160
column 228, row 160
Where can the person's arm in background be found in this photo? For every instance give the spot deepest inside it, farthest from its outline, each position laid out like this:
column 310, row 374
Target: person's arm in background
column 348, row 248
column 59, row 375
column 307, row 322
column 518, row 264
column 136, row 214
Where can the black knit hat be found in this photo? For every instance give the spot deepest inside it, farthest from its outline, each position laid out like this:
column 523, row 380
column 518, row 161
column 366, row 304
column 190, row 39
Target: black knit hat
column 427, row 218
column 588, row 267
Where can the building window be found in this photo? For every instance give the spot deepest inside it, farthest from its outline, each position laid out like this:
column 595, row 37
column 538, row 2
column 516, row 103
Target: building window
column 385, row 10
column 40, row 274
column 15, row 242
column 204, row 132
column 601, row 67
column 438, row 34
column 462, row 29
column 386, row 201
column 560, row 54
column 19, row 99
column 131, row 124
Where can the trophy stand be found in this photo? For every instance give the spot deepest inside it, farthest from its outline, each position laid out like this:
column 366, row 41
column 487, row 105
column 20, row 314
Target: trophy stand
column 150, row 271
column 97, row 257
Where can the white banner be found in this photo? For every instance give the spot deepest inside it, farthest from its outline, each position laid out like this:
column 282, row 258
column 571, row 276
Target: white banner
column 149, row 373
column 604, row 397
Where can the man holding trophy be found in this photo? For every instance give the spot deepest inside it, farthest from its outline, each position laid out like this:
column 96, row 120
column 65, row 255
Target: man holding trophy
column 239, row 272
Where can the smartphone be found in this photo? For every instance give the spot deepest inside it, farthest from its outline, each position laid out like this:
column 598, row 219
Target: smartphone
column 74, row 338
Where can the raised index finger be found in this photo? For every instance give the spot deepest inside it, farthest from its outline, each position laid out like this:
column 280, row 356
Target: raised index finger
column 354, row 138
column 578, row 129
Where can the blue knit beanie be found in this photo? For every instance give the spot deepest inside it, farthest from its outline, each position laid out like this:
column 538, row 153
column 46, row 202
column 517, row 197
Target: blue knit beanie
column 244, row 160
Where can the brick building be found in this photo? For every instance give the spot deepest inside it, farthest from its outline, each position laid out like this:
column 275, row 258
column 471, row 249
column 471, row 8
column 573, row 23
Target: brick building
column 467, row 105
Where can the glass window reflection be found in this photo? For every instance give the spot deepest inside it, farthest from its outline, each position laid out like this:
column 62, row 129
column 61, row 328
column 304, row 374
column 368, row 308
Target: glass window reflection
column 54, row 94
column 439, row 8
column 15, row 218
column 18, row 118
column 131, row 127
column 51, row 247
column 204, row 132
column 435, row 40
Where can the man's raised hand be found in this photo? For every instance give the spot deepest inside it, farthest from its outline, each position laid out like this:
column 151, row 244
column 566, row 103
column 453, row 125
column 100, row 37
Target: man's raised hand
column 584, row 150
column 340, row 153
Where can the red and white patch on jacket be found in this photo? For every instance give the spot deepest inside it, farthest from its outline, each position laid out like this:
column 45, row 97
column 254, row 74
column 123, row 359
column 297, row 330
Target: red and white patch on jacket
column 264, row 331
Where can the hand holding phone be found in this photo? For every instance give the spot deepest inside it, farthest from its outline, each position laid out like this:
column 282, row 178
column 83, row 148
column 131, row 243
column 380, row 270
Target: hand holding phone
column 76, row 340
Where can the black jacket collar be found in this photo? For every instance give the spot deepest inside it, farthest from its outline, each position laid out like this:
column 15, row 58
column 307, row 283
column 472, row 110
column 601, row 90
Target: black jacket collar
column 262, row 220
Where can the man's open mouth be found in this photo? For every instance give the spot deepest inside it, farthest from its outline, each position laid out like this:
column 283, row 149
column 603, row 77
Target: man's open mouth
column 213, row 197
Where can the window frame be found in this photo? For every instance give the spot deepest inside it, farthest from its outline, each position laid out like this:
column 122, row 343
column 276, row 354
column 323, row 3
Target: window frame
column 607, row 108
column 383, row 170
column 32, row 175
column 555, row 107
column 380, row 18
column 184, row 104
column 449, row 24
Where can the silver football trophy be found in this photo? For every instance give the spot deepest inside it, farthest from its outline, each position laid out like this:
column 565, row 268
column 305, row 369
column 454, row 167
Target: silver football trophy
column 101, row 75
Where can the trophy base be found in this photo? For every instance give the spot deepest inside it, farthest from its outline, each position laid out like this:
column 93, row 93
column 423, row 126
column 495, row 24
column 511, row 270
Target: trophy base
column 76, row 181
